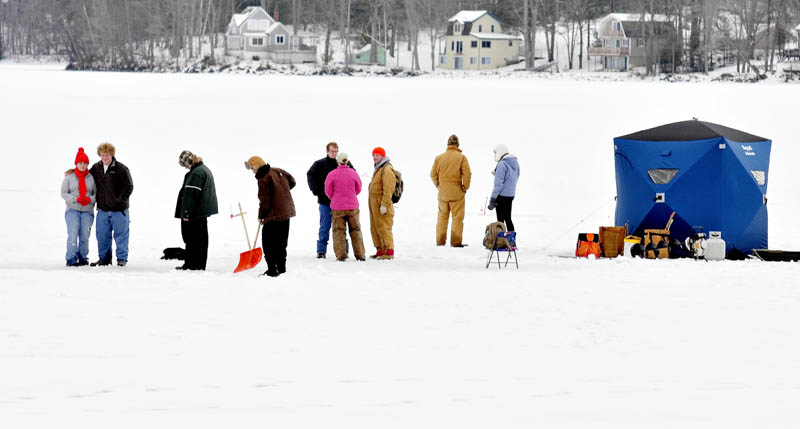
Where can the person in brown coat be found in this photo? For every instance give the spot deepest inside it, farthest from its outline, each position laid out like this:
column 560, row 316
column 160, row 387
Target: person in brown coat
column 451, row 175
column 381, row 210
column 276, row 207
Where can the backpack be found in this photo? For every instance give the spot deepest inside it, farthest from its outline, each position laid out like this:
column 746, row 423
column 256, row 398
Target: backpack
column 398, row 185
column 491, row 240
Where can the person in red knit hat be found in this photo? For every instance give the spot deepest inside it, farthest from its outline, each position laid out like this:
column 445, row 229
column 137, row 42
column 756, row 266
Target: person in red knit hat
column 381, row 210
column 78, row 191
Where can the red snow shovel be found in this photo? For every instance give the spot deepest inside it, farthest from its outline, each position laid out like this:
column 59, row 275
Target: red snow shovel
column 252, row 257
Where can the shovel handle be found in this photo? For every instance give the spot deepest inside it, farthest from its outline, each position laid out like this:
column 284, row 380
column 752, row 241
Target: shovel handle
column 246, row 235
column 255, row 241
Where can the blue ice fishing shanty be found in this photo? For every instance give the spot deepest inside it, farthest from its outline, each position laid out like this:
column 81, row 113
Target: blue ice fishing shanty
column 709, row 175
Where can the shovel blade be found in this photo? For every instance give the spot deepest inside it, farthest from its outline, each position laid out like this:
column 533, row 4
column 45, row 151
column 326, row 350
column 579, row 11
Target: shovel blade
column 249, row 259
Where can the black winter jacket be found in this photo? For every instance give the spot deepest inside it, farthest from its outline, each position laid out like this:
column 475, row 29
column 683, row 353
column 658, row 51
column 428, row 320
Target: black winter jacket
column 198, row 195
column 114, row 187
column 316, row 177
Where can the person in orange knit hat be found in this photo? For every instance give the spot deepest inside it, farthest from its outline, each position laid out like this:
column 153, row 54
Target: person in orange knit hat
column 381, row 210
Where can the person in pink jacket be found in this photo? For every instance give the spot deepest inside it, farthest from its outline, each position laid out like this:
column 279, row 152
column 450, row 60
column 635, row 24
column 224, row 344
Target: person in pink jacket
column 342, row 186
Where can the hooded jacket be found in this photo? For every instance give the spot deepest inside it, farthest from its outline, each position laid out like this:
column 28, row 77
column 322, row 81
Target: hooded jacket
column 198, row 195
column 274, row 194
column 381, row 187
column 506, row 176
column 343, row 186
column 114, row 187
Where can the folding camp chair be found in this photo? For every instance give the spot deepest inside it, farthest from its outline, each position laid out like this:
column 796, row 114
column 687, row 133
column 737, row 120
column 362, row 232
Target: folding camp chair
column 511, row 238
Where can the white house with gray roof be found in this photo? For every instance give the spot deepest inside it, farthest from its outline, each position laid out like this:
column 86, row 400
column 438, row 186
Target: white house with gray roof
column 621, row 39
column 253, row 34
column 475, row 41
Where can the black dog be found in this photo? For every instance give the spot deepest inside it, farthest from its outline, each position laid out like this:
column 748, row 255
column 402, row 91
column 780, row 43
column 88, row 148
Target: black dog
column 174, row 253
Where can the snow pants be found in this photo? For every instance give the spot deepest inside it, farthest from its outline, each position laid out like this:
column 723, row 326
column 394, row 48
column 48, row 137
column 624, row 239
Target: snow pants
column 446, row 208
column 195, row 236
column 347, row 219
column 274, row 239
column 381, row 225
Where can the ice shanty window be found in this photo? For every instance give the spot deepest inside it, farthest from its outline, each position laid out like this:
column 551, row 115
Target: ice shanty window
column 760, row 177
column 662, row 176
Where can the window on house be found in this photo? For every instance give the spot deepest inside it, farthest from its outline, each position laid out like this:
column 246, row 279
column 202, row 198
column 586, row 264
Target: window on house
column 452, row 46
column 617, row 26
column 280, row 39
column 616, row 43
column 457, row 28
column 480, row 29
column 510, row 43
column 662, row 176
column 486, row 44
column 443, row 60
column 473, row 60
column 474, row 44
column 459, row 47
column 626, row 43
column 486, row 60
column 492, row 28
column 257, row 24
column 640, row 43
column 257, row 41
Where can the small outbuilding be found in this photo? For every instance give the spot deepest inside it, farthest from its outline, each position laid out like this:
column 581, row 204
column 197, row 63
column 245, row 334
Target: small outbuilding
column 362, row 55
column 708, row 174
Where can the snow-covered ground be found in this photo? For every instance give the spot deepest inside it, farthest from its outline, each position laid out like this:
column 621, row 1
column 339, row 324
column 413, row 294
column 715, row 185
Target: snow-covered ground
column 431, row 339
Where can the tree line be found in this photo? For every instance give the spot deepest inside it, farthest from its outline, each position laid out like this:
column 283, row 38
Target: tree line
column 124, row 34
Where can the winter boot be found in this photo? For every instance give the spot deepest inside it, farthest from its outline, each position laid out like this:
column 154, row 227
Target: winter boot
column 388, row 254
column 377, row 255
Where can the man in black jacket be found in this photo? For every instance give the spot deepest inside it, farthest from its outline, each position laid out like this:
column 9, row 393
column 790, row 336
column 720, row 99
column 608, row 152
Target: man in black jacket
column 316, row 182
column 114, row 188
column 197, row 200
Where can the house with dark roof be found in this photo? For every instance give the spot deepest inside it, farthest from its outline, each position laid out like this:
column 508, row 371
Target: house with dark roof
column 623, row 39
column 474, row 40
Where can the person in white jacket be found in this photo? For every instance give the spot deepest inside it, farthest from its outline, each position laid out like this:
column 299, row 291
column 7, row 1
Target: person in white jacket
column 78, row 191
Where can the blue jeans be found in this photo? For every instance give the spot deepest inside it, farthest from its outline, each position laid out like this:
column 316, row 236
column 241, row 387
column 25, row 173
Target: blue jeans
column 78, row 226
column 117, row 223
column 325, row 230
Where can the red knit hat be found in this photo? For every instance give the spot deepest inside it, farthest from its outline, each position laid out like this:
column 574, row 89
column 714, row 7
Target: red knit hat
column 379, row 150
column 81, row 156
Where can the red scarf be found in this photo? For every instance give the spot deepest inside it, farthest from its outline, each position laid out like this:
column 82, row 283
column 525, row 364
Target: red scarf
column 82, row 181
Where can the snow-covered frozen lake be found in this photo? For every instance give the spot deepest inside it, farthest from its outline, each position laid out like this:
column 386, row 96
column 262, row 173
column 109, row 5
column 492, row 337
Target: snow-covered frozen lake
column 431, row 339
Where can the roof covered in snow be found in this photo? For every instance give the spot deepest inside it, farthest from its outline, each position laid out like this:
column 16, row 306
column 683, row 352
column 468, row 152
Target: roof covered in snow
column 275, row 26
column 495, row 36
column 367, row 47
column 240, row 18
column 635, row 17
column 467, row 16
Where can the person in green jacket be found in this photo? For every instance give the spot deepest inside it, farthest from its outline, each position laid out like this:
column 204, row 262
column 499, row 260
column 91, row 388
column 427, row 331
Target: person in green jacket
column 197, row 200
